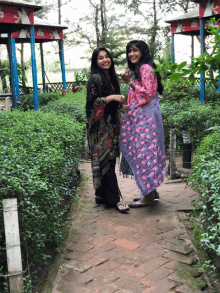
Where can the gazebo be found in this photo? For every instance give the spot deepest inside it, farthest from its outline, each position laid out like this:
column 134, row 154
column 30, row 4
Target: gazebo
column 40, row 31
column 195, row 23
column 44, row 32
column 17, row 15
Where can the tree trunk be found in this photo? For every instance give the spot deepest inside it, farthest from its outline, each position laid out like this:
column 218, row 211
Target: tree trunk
column 3, row 79
column 22, row 66
column 97, row 25
column 186, row 7
column 103, row 21
column 154, row 33
column 155, row 12
column 211, row 73
column 59, row 11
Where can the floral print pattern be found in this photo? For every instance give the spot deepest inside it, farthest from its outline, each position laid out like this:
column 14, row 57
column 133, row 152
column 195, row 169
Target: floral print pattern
column 144, row 88
column 142, row 144
column 142, row 134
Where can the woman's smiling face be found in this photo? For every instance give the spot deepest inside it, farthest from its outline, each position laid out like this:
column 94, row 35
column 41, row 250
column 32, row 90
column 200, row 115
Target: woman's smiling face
column 134, row 54
column 103, row 60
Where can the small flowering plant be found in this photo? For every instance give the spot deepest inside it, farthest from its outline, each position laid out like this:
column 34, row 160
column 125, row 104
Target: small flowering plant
column 64, row 92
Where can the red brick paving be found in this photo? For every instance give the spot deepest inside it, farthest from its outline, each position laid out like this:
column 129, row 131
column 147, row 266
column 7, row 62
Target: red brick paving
column 137, row 252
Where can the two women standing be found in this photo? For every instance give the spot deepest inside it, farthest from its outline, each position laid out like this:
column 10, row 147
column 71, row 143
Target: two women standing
column 142, row 141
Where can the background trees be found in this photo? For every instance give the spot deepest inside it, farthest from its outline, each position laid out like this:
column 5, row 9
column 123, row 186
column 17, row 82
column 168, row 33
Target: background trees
column 105, row 25
column 154, row 32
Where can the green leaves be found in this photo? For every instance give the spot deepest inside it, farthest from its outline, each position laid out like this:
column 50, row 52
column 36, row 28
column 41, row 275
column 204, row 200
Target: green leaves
column 39, row 157
column 181, row 65
column 202, row 64
column 205, row 179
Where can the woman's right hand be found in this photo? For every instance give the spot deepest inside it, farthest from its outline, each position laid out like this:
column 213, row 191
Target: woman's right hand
column 118, row 98
column 126, row 76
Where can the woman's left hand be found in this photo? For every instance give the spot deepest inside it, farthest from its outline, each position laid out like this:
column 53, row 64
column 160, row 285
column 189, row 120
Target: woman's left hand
column 123, row 108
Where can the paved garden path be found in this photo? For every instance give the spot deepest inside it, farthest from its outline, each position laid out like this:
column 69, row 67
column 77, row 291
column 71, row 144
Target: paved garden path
column 146, row 250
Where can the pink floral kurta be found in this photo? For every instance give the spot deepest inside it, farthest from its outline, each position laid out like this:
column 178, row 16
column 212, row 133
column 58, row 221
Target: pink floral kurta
column 145, row 88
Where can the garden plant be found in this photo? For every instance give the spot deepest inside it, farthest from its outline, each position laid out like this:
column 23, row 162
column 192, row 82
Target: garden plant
column 39, row 165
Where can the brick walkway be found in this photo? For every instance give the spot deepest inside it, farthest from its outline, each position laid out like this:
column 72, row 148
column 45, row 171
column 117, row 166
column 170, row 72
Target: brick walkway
column 144, row 251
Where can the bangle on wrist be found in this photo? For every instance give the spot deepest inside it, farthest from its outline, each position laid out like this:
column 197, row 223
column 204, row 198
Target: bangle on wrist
column 131, row 82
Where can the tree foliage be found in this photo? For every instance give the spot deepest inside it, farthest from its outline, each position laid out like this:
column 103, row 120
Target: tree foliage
column 165, row 5
column 152, row 12
column 203, row 64
column 103, row 26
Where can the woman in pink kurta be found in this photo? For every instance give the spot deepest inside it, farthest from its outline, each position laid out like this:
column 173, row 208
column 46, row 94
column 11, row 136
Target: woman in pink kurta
column 142, row 135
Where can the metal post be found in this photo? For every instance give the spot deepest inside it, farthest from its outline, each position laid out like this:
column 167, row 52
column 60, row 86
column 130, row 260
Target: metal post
column 172, row 50
column 172, row 163
column 12, row 71
column 43, row 68
column 192, row 48
column 7, row 104
column 202, row 41
column 219, row 82
column 15, row 69
column 13, row 248
column 62, row 63
column 34, row 69
column 187, row 149
column 192, row 51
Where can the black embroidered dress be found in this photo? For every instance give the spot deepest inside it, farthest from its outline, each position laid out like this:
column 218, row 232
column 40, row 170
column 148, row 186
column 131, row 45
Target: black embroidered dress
column 103, row 126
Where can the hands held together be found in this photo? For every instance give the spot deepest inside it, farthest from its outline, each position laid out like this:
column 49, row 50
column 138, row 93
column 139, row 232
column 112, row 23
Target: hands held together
column 118, row 98
column 126, row 76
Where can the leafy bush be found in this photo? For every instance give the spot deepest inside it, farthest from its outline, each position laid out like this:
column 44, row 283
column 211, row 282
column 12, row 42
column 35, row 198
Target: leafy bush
column 124, row 88
column 184, row 90
column 176, row 91
column 27, row 101
column 205, row 179
column 189, row 115
column 81, row 77
column 5, row 70
column 71, row 105
column 39, row 155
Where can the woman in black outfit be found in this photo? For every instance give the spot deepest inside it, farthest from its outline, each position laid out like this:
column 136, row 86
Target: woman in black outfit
column 103, row 125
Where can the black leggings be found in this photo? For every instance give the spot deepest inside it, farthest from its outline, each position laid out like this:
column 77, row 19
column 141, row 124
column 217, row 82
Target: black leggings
column 109, row 190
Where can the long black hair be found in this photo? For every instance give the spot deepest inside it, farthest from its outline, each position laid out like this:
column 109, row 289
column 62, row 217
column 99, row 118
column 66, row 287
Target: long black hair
column 96, row 69
column 145, row 58
column 111, row 108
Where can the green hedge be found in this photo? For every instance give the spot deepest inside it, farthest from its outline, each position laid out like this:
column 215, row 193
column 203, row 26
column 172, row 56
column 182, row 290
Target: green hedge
column 205, row 179
column 184, row 90
column 39, row 155
column 26, row 102
column 71, row 105
column 189, row 115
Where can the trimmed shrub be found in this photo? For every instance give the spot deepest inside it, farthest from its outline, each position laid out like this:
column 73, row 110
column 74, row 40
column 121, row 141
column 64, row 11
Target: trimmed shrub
column 177, row 91
column 71, row 105
column 27, row 101
column 184, row 90
column 39, row 155
column 189, row 115
column 205, row 179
